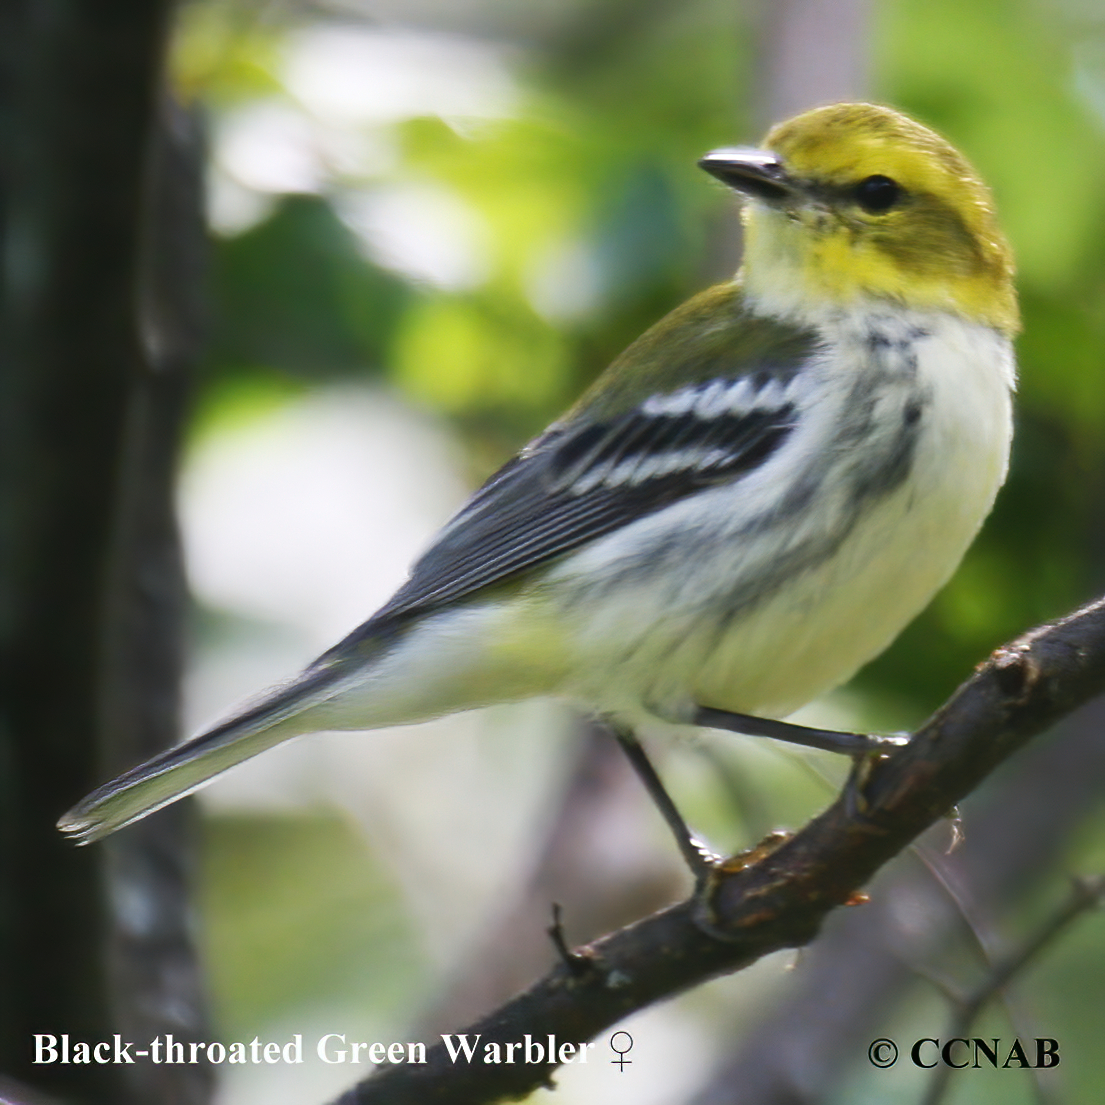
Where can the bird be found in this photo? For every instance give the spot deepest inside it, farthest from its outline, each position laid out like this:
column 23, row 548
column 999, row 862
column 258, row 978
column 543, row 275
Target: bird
column 749, row 504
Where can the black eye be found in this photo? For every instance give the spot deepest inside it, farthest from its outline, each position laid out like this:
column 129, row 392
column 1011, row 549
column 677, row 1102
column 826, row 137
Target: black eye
column 877, row 194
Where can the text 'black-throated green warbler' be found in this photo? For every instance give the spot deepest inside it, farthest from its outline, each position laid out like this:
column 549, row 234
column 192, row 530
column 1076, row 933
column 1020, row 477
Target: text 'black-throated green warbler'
column 749, row 504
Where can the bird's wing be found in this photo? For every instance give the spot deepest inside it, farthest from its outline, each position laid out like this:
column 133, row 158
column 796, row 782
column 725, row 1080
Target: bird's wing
column 577, row 483
column 570, row 486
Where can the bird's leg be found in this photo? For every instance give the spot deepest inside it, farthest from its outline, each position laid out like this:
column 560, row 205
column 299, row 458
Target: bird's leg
column 697, row 855
column 864, row 749
column 831, row 740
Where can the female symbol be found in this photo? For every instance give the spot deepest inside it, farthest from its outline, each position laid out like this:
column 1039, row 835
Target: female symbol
column 621, row 1049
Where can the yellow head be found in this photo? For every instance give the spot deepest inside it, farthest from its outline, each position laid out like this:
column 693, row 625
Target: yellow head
column 856, row 201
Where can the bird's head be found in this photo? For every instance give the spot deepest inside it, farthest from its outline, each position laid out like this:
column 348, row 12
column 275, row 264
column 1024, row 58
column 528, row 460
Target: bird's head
column 856, row 201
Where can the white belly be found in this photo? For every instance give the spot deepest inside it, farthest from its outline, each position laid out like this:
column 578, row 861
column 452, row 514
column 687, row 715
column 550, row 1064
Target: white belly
column 744, row 620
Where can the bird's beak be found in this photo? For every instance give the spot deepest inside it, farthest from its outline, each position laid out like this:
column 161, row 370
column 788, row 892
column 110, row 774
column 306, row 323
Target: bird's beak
column 756, row 173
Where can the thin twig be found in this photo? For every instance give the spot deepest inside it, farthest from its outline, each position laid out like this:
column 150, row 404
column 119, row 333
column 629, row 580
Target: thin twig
column 1086, row 894
column 575, row 963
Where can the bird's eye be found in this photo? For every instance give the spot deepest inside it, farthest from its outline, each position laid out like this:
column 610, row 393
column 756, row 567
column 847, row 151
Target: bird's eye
column 877, row 194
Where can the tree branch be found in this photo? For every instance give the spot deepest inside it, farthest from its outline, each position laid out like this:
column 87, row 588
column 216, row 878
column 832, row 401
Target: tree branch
column 778, row 896
column 869, row 960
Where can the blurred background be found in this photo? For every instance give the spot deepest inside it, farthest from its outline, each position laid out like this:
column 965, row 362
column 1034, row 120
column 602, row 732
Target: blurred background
column 431, row 225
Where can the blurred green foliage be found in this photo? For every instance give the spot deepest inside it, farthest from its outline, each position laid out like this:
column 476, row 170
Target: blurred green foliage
column 258, row 914
column 599, row 155
column 591, row 221
column 292, row 294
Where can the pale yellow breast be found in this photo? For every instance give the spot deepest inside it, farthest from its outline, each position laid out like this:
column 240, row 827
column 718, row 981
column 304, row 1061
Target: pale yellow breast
column 833, row 619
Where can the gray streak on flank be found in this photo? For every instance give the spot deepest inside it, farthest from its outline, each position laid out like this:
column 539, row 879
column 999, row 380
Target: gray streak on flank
column 865, row 468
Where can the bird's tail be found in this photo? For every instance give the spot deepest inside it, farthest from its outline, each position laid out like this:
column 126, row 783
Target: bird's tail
column 384, row 673
column 282, row 714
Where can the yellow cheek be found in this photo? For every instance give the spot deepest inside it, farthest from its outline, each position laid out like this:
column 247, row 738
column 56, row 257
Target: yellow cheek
column 815, row 259
column 818, row 261
column 838, row 267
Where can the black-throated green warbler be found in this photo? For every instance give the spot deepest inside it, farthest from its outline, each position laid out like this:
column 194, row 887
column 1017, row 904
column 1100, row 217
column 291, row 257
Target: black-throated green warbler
column 750, row 503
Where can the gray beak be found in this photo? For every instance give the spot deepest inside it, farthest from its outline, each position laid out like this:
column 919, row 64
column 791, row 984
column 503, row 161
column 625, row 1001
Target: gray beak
column 753, row 172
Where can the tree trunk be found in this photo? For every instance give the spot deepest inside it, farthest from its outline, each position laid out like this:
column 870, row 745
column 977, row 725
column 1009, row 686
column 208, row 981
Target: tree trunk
column 100, row 229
